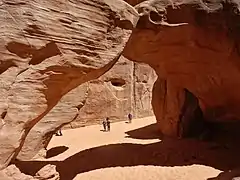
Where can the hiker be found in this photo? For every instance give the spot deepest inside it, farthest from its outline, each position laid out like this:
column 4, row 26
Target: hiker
column 104, row 123
column 129, row 117
column 59, row 133
column 108, row 124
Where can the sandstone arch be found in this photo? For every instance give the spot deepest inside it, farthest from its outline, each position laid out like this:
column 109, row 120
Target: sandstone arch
column 192, row 45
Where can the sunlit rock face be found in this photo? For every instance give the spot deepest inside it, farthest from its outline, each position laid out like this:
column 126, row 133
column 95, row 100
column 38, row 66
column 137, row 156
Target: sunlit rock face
column 47, row 49
column 193, row 46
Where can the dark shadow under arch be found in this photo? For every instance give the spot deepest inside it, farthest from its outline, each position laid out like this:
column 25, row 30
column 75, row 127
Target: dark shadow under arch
column 56, row 151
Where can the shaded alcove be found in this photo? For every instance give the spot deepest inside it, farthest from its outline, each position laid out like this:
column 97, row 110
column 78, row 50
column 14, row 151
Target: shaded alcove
column 191, row 116
column 118, row 82
column 197, row 126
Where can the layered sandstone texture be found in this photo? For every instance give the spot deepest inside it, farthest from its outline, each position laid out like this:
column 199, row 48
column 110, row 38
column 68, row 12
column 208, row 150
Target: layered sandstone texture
column 126, row 88
column 13, row 173
column 47, row 49
column 194, row 48
column 48, row 172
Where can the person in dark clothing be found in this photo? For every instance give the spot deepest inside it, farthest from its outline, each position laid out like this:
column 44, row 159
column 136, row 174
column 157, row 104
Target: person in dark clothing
column 59, row 133
column 104, row 123
column 108, row 124
column 129, row 117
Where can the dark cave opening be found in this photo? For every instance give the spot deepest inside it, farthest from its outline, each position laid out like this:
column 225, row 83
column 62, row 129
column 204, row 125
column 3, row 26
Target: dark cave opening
column 195, row 125
column 191, row 119
column 3, row 115
column 118, row 82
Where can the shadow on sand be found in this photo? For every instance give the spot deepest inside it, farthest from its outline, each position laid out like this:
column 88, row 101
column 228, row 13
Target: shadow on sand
column 228, row 175
column 56, row 151
column 168, row 152
column 148, row 132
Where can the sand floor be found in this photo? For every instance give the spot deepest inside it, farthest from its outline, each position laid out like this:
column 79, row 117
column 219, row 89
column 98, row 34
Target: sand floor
column 135, row 152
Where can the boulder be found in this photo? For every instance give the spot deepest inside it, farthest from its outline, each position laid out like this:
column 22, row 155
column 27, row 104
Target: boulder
column 48, row 172
column 49, row 48
column 13, row 173
column 193, row 46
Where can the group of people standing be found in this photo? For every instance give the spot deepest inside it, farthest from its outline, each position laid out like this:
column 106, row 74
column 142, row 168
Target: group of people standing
column 107, row 124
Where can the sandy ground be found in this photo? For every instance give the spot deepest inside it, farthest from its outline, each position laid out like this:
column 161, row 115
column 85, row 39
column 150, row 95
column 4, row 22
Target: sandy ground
column 92, row 136
column 134, row 152
column 88, row 137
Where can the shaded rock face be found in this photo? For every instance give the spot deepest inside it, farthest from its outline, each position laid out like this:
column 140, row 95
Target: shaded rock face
column 48, row 48
column 127, row 87
column 192, row 45
column 180, row 115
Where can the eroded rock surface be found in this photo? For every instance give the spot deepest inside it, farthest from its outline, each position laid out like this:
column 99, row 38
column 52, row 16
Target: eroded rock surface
column 48, row 48
column 48, row 172
column 64, row 112
column 13, row 173
column 192, row 45
column 127, row 87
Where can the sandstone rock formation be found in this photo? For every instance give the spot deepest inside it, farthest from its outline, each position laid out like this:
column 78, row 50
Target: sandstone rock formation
column 127, row 87
column 193, row 46
column 65, row 111
column 48, row 172
column 49, row 48
column 13, row 173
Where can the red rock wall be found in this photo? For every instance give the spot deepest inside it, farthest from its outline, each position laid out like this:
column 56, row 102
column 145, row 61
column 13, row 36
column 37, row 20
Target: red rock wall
column 48, row 48
column 192, row 45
